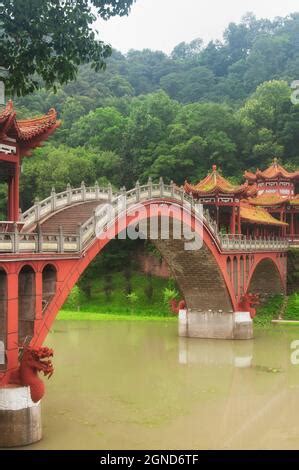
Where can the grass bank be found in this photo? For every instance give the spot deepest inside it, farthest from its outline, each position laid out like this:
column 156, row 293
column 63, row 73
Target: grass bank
column 112, row 302
column 147, row 303
column 87, row 316
column 273, row 308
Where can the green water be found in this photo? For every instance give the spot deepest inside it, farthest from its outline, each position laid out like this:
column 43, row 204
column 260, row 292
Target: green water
column 135, row 385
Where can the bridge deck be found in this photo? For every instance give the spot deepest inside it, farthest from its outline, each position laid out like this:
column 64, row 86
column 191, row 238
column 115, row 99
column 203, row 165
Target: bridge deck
column 68, row 218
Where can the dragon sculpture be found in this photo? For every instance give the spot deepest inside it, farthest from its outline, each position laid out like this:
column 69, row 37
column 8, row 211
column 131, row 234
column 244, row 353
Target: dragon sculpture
column 248, row 303
column 33, row 361
column 177, row 306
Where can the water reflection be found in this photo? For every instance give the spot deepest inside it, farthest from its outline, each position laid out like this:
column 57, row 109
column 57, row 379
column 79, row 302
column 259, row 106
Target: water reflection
column 215, row 352
column 136, row 385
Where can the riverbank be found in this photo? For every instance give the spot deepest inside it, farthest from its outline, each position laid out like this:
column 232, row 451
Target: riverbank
column 65, row 315
column 111, row 301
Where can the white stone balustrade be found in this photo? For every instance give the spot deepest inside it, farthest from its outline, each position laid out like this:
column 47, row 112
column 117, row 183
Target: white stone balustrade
column 22, row 242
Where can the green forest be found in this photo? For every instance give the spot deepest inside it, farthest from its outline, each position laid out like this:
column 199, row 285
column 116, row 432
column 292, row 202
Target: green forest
column 152, row 114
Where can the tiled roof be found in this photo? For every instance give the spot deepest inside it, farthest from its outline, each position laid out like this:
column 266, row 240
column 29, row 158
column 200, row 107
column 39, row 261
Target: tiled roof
column 294, row 201
column 214, row 183
column 26, row 130
column 267, row 199
column 258, row 215
column 274, row 171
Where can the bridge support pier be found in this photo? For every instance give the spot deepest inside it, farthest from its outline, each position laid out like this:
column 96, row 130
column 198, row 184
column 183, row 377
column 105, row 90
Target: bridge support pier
column 215, row 325
column 20, row 418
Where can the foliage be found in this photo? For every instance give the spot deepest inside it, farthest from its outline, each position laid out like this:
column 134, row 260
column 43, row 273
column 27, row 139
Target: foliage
column 169, row 294
column 118, row 303
column 149, row 288
column 132, row 298
column 292, row 310
column 74, row 299
column 49, row 39
column 268, row 311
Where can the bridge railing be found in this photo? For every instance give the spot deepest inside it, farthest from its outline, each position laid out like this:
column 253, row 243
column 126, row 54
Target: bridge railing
column 242, row 243
column 14, row 242
column 61, row 200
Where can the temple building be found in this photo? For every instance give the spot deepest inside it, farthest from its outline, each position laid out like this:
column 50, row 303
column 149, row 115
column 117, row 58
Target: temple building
column 234, row 207
column 276, row 190
column 17, row 139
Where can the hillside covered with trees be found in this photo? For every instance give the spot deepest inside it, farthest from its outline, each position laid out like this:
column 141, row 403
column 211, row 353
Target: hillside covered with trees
column 150, row 114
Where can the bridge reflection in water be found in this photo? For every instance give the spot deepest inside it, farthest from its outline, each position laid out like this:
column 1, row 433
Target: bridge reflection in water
column 211, row 353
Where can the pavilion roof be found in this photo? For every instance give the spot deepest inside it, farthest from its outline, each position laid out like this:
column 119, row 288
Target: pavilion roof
column 269, row 199
column 28, row 132
column 258, row 215
column 214, row 183
column 274, row 171
column 294, row 201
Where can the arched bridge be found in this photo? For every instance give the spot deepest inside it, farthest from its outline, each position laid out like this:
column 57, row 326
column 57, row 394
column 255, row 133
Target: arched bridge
column 43, row 256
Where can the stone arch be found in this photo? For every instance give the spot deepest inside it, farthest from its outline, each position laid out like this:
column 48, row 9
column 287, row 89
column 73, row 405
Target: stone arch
column 198, row 276
column 266, row 279
column 3, row 317
column 49, row 280
column 27, row 303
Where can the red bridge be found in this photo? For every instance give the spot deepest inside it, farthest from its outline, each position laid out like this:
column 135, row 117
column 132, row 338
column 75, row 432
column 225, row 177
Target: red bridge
column 40, row 264
column 43, row 252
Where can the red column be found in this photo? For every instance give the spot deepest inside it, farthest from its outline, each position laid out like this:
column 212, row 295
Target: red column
column 233, row 221
column 38, row 300
column 16, row 193
column 292, row 225
column 12, row 319
column 239, row 220
column 10, row 201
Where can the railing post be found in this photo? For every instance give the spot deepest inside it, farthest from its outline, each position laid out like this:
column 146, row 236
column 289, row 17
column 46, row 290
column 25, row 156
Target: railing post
column 16, row 239
column 137, row 191
column 53, row 200
column 123, row 191
column 80, row 237
column 37, row 209
column 109, row 192
column 161, row 186
column 95, row 219
column 39, row 238
column 172, row 186
column 182, row 195
column 97, row 191
column 83, row 191
column 60, row 239
column 69, row 193
column 150, row 187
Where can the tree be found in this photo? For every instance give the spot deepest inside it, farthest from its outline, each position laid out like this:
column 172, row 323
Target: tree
column 49, row 39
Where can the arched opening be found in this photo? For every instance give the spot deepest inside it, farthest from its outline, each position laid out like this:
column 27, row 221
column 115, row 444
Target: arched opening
column 49, row 277
column 26, row 303
column 3, row 317
column 266, row 279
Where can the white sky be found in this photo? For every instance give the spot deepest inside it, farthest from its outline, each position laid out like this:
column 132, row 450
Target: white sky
column 162, row 24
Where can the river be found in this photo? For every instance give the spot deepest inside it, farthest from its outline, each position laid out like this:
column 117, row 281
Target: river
column 136, row 385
